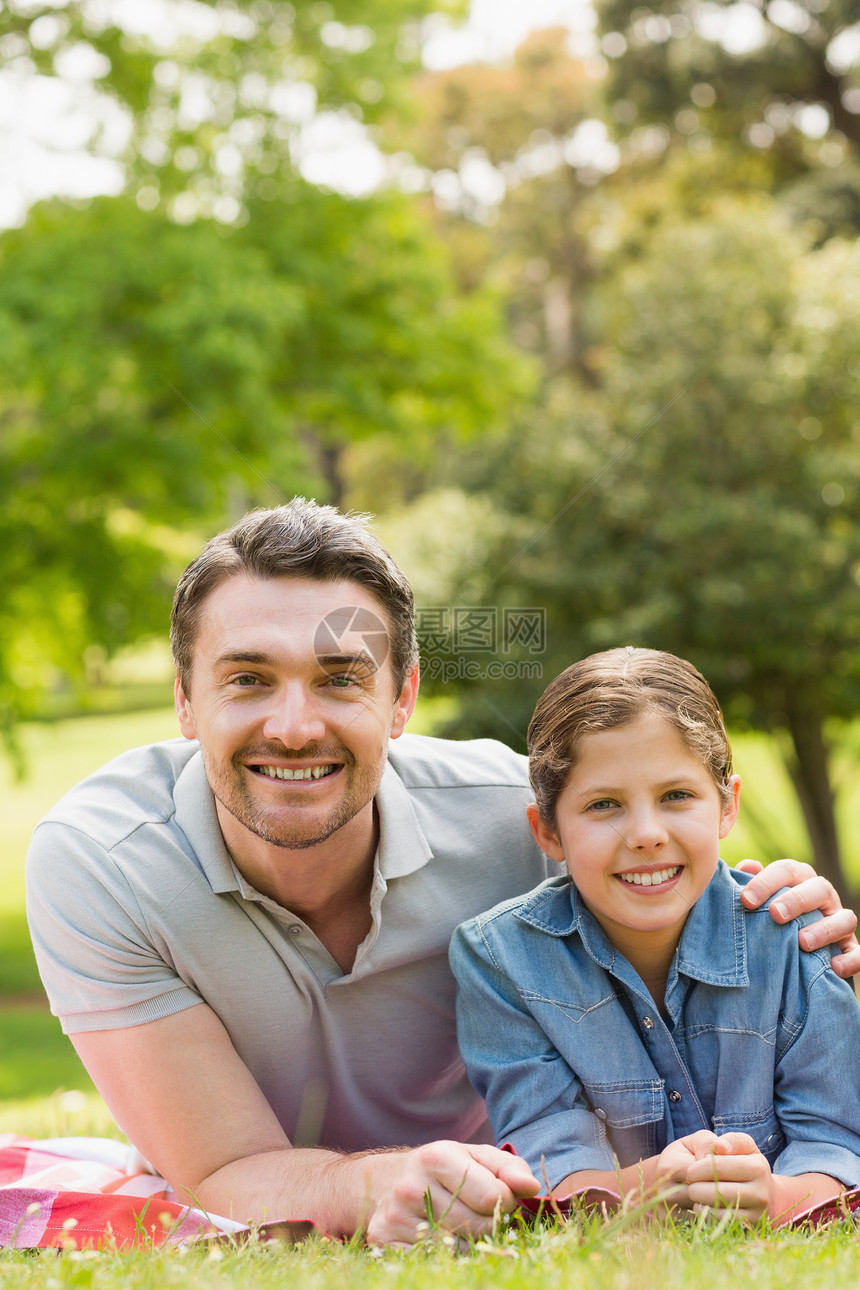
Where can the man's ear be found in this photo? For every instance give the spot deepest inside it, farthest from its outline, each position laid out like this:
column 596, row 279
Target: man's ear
column 404, row 704
column 730, row 811
column 184, row 712
column 546, row 839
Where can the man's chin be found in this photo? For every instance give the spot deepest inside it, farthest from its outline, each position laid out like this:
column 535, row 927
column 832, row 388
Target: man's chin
column 295, row 834
column 295, row 842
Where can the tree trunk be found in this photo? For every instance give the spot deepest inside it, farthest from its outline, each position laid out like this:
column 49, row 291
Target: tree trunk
column 809, row 768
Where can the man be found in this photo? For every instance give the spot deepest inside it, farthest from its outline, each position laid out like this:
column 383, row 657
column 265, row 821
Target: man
column 245, row 935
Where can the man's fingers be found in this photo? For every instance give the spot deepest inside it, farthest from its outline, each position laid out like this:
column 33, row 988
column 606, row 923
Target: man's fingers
column 474, row 1182
column 848, row 964
column 508, row 1168
column 781, row 873
column 808, row 892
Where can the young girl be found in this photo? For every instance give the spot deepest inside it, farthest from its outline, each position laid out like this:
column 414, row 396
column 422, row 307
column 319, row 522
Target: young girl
column 629, row 1016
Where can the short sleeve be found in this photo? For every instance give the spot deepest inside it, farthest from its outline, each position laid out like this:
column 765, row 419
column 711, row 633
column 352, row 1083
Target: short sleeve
column 97, row 961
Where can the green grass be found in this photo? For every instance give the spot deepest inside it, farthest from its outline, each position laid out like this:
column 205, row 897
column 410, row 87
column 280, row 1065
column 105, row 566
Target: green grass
column 587, row 1253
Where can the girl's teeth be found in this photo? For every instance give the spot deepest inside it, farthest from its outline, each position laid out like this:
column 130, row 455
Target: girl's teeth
column 650, row 879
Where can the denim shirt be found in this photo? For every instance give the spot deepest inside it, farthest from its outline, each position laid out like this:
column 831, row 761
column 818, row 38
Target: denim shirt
column 578, row 1068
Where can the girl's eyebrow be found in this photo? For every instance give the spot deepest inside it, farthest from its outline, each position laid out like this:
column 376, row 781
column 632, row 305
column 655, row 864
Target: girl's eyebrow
column 613, row 790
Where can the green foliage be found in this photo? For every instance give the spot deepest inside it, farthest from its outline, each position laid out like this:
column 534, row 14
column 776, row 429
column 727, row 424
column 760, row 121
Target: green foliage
column 705, row 497
column 209, row 92
column 702, row 72
column 159, row 376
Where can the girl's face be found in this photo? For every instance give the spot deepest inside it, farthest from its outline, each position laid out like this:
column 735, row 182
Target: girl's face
column 638, row 826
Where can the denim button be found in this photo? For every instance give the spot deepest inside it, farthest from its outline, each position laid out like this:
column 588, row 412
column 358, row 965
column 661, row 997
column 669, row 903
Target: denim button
column 647, row 1023
column 674, row 1096
column 600, row 1113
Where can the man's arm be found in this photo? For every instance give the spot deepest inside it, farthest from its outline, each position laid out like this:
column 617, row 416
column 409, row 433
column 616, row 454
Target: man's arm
column 809, row 893
column 179, row 1090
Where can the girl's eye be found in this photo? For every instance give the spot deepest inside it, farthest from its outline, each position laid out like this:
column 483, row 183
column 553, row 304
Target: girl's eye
column 603, row 804
column 678, row 795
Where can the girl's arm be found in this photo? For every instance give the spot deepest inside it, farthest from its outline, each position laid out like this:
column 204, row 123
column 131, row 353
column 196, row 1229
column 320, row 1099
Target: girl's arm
column 726, row 1173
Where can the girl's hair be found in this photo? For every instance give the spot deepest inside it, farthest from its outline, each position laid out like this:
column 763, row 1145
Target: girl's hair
column 611, row 689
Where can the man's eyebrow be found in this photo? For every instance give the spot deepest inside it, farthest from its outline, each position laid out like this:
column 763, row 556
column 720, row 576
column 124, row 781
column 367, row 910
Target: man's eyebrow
column 243, row 656
column 361, row 659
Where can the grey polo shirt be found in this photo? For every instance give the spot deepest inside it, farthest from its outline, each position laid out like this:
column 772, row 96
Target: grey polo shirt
column 138, row 912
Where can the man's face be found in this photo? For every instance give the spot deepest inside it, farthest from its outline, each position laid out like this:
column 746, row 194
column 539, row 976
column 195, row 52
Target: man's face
column 293, row 702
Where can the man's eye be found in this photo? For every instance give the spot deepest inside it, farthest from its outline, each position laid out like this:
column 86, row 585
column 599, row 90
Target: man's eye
column 246, row 682
column 342, row 682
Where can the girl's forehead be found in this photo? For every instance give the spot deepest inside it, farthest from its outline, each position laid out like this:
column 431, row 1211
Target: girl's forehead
column 648, row 739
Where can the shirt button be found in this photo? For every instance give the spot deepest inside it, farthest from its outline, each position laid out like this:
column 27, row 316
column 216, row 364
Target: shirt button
column 674, row 1096
column 295, row 930
column 647, row 1023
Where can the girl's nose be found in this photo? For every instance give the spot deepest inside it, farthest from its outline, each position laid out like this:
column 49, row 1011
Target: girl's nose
column 646, row 831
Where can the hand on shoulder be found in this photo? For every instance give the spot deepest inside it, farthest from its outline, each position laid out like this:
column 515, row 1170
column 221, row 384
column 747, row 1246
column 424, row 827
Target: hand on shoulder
column 809, row 893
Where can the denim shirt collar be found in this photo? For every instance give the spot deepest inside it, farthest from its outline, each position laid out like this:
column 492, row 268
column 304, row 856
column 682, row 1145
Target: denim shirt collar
column 712, row 948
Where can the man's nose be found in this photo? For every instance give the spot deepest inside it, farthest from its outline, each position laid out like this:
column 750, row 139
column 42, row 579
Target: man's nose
column 294, row 717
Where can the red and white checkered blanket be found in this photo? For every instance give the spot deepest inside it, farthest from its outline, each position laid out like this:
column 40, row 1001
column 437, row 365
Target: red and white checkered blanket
column 94, row 1193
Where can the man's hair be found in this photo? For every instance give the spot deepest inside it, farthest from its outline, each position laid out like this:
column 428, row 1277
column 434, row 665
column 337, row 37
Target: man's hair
column 301, row 540
column 608, row 690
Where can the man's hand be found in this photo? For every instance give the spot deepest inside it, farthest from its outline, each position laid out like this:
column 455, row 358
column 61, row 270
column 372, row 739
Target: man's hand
column 730, row 1173
column 809, row 892
column 461, row 1188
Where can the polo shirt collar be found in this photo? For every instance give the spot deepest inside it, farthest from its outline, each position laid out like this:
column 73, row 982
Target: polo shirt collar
column 712, row 948
column 403, row 848
column 197, row 818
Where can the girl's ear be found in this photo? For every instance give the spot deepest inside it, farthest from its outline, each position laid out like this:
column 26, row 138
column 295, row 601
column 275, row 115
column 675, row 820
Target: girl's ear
column 730, row 811
column 546, row 839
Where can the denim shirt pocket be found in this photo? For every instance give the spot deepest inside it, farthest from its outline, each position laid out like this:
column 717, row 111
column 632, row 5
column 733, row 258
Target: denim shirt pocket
column 762, row 1126
column 630, row 1113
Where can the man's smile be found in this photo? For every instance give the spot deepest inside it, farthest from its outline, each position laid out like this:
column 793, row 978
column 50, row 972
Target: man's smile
column 302, row 772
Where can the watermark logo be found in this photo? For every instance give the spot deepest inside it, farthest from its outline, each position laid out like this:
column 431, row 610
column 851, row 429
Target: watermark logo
column 352, row 633
column 453, row 639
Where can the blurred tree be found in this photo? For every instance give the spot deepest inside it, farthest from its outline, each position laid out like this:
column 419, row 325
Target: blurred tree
column 165, row 375
column 706, row 499
column 782, row 77
column 513, row 152
column 214, row 98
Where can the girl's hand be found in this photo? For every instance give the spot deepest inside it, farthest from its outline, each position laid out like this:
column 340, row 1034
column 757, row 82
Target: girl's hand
column 673, row 1166
column 730, row 1173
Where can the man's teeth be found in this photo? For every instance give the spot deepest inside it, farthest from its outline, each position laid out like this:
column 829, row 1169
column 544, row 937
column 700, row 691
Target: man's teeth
column 307, row 772
column 650, row 879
